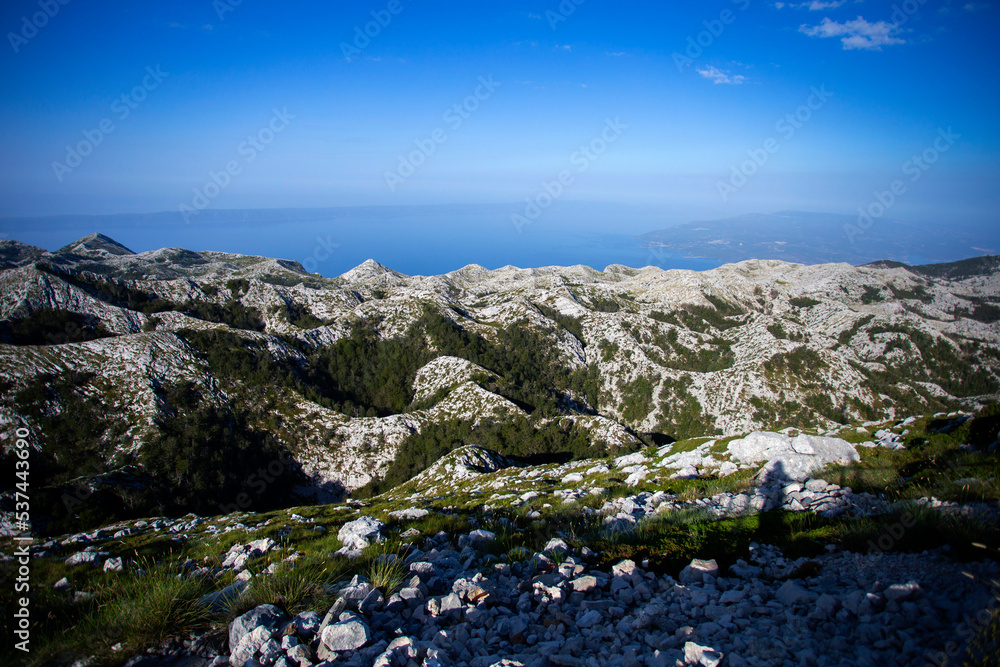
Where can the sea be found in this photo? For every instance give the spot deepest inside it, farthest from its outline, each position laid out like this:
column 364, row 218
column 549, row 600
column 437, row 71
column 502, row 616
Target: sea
column 414, row 240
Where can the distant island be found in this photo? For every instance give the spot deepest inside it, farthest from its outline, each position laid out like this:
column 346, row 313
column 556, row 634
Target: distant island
column 816, row 238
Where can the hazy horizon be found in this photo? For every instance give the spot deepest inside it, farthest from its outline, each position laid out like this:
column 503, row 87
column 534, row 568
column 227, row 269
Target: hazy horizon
column 431, row 240
column 555, row 119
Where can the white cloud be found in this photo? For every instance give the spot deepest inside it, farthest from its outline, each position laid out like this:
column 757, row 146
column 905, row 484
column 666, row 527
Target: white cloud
column 813, row 6
column 718, row 76
column 857, row 34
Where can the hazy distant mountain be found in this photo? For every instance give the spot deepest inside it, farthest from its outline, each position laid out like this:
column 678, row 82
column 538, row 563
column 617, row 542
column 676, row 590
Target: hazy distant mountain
column 185, row 372
column 816, row 238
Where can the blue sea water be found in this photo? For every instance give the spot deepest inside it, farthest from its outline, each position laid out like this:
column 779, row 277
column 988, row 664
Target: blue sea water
column 425, row 240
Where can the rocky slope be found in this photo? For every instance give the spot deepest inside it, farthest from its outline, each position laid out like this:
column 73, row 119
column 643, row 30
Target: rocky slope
column 658, row 354
column 634, row 560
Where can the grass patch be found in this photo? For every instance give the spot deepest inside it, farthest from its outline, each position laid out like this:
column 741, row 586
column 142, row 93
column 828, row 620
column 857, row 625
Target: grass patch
column 387, row 573
column 670, row 540
column 138, row 609
column 935, row 464
column 687, row 445
column 292, row 587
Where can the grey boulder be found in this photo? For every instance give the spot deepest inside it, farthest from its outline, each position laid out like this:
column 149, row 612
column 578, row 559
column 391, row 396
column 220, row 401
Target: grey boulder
column 361, row 533
column 349, row 635
column 267, row 616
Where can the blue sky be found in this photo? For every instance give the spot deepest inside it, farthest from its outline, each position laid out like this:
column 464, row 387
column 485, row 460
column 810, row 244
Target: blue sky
column 210, row 75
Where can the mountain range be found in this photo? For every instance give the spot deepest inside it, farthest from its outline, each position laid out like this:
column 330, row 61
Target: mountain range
column 173, row 380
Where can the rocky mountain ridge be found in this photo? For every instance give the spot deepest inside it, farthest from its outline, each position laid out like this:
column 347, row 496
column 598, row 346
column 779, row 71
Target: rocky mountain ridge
column 653, row 354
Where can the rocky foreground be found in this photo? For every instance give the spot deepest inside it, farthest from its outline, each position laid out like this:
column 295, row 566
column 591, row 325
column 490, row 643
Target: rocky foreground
column 482, row 560
column 459, row 605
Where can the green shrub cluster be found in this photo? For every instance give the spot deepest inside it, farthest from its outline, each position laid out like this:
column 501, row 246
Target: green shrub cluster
column 782, row 413
column 637, row 399
column 75, row 435
column 717, row 357
column 567, row 322
column 724, row 308
column 366, row 375
column 847, row 335
column 982, row 310
column 363, row 374
column 681, row 415
column 721, row 315
column 110, row 291
column 958, row 371
column 531, row 370
column 52, row 326
column 803, row 302
column 359, row 375
column 608, row 350
column 918, row 293
column 802, row 362
column 300, row 316
column 233, row 314
column 520, row 437
column 285, row 280
column 200, row 457
column 207, row 456
column 238, row 286
column 872, row 295
column 74, row 426
column 604, row 305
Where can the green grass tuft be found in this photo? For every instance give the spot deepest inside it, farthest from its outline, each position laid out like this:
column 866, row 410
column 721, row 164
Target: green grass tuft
column 144, row 607
column 292, row 587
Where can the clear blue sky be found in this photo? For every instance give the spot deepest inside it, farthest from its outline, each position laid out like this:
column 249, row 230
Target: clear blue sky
column 896, row 80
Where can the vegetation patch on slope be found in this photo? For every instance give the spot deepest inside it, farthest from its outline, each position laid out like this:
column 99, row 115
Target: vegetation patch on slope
column 52, row 326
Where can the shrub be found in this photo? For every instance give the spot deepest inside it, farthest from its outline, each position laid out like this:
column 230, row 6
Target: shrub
column 604, row 305
column 918, row 293
column 872, row 295
column 570, row 324
column 637, row 399
column 205, row 457
column 300, row 316
column 52, row 326
column 847, row 335
column 982, row 310
column 681, row 415
column 109, row 290
column 803, row 302
column 232, row 313
column 517, row 437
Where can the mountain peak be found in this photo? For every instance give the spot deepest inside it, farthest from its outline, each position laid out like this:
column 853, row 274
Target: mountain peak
column 367, row 270
column 96, row 245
